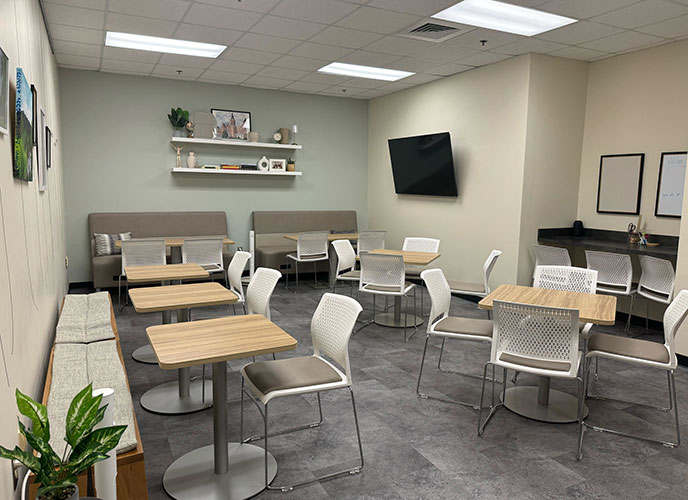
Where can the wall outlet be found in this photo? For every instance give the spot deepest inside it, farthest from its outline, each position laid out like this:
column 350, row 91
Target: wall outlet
column 66, row 262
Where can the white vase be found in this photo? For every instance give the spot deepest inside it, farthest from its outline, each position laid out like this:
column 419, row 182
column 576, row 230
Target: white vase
column 263, row 164
column 191, row 160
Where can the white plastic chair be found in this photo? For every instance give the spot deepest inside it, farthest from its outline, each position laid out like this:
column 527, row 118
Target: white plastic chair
column 370, row 240
column 310, row 247
column 477, row 289
column 346, row 262
column 449, row 327
column 533, row 339
column 656, row 282
column 417, row 244
column 641, row 353
column 148, row 252
column 259, row 290
column 384, row 274
column 614, row 275
column 234, row 272
column 206, row 252
column 551, row 256
column 327, row 369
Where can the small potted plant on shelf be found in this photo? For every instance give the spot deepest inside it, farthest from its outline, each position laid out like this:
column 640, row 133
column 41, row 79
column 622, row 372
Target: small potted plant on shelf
column 178, row 118
column 291, row 165
column 85, row 446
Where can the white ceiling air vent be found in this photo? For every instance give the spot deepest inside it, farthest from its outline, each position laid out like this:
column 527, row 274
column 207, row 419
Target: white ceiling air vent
column 431, row 31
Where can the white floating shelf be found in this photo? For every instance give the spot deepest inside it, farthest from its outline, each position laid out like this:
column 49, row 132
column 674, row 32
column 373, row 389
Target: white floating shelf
column 234, row 172
column 228, row 142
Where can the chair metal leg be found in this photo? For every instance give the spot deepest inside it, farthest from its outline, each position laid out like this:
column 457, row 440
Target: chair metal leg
column 581, row 406
column 493, row 407
column 234, row 309
column 630, row 311
column 311, row 425
column 297, row 275
column 367, row 323
column 647, row 314
column 241, row 413
column 439, row 361
column 119, row 294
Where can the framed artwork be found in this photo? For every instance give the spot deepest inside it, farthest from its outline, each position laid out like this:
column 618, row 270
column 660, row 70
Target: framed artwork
column 231, row 124
column 23, row 133
column 34, row 96
column 42, row 153
column 4, row 93
column 278, row 165
column 672, row 175
column 48, row 147
column 620, row 184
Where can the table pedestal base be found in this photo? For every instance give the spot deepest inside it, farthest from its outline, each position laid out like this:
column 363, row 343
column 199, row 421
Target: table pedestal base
column 145, row 354
column 561, row 408
column 192, row 476
column 165, row 398
column 389, row 319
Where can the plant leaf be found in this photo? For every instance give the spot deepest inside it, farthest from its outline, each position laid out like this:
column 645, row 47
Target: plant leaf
column 82, row 416
column 41, row 446
column 100, row 441
column 28, row 459
column 37, row 412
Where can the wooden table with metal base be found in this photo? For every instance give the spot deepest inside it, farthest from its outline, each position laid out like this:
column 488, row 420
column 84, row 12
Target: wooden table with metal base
column 542, row 402
column 227, row 471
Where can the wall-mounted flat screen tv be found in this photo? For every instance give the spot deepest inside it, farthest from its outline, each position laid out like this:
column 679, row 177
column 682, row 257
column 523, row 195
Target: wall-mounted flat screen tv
column 423, row 165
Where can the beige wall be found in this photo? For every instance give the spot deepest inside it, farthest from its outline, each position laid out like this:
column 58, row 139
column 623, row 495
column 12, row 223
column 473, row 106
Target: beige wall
column 32, row 245
column 636, row 104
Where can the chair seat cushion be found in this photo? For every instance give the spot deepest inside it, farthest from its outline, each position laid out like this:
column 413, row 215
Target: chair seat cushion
column 541, row 364
column 321, row 256
column 385, row 288
column 355, row 274
column 290, row 373
column 632, row 348
column 460, row 286
column 465, row 326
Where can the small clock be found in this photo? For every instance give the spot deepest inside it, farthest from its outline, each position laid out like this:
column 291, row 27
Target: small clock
column 277, row 136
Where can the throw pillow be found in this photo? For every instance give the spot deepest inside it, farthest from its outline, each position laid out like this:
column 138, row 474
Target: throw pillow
column 105, row 243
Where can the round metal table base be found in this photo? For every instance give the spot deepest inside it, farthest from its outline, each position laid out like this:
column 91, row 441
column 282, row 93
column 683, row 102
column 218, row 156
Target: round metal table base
column 145, row 354
column 165, row 399
column 562, row 407
column 387, row 319
column 193, row 477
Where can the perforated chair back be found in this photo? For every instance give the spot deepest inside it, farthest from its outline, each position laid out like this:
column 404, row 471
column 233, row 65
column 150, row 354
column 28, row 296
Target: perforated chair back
column 656, row 279
column 536, row 339
column 440, row 294
column 370, row 240
column 331, row 327
column 346, row 256
column 382, row 270
column 614, row 271
column 203, row 251
column 414, row 244
column 312, row 243
column 143, row 253
column 235, row 270
column 551, row 256
column 260, row 290
column 488, row 266
column 570, row 279
column 674, row 316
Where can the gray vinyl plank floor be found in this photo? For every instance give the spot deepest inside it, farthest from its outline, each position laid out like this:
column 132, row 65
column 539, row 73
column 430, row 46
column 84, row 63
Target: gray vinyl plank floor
column 425, row 449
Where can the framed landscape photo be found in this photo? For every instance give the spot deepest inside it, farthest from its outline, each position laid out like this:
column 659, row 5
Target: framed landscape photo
column 620, row 183
column 231, row 124
column 4, row 93
column 278, row 165
column 672, row 174
column 42, row 153
column 23, row 133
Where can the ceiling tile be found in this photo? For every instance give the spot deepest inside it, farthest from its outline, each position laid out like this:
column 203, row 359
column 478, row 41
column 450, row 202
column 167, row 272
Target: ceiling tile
column 366, row 58
column 74, row 34
column 529, row 45
column 171, row 72
column 413, row 64
column 265, row 83
column 494, row 39
column 236, row 67
column 421, row 78
column 283, row 73
column 74, row 16
column 76, row 49
column 249, row 55
column 580, row 32
column 90, row 4
column 448, row 69
column 126, row 66
column 296, row 62
column 526, row 3
column 359, row 2
column 583, row 9
column 319, row 11
column 206, row 34
column 671, row 28
column 623, row 41
column 267, row 43
column 306, row 87
column 371, row 94
column 186, row 61
column 395, row 87
column 320, row 51
column 642, row 14
column 219, row 17
column 130, row 54
column 578, row 53
column 222, row 77
column 324, row 79
column 81, row 61
column 287, row 28
column 342, row 91
column 363, row 83
column 443, row 53
column 140, row 25
column 345, row 37
column 171, row 10
column 377, row 20
column 483, row 58
column 252, row 5
column 398, row 45
column 420, row 8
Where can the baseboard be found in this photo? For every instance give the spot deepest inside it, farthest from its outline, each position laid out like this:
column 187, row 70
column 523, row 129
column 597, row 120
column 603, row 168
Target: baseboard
column 682, row 360
column 80, row 286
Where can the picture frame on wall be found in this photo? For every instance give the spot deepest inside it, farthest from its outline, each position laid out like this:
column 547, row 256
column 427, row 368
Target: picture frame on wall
column 34, row 96
column 620, row 183
column 4, row 93
column 670, row 183
column 278, row 165
column 48, row 147
column 42, row 153
column 231, row 124
column 24, row 124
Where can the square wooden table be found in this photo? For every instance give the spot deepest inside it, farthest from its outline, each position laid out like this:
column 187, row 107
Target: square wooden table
column 223, row 470
column 175, row 243
column 541, row 402
column 183, row 396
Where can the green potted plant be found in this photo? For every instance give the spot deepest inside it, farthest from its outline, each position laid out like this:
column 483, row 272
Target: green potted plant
column 178, row 118
column 291, row 165
column 85, row 446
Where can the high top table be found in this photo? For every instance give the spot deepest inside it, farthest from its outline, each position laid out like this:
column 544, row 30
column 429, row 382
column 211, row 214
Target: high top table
column 541, row 402
column 175, row 243
column 228, row 471
column 183, row 396
column 162, row 274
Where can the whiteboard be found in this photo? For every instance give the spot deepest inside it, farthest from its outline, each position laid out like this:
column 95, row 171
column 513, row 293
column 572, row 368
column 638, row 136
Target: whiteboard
column 672, row 174
column 620, row 183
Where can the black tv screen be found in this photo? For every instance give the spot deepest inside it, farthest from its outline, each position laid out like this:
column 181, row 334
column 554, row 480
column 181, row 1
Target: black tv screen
column 423, row 165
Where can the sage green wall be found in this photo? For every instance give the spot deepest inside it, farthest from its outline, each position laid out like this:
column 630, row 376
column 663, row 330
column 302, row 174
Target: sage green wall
column 117, row 154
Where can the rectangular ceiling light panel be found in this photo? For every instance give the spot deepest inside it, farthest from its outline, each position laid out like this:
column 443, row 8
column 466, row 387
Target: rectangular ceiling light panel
column 167, row 45
column 389, row 75
column 501, row 16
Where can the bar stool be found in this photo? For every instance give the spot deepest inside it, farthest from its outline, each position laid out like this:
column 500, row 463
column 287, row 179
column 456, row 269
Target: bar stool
column 346, row 262
column 656, row 282
column 310, row 247
column 614, row 275
column 148, row 252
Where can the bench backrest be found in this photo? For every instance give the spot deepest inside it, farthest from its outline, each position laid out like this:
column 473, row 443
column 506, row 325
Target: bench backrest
column 271, row 226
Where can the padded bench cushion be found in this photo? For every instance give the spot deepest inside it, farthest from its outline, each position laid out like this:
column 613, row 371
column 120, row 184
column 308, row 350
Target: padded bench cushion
column 84, row 319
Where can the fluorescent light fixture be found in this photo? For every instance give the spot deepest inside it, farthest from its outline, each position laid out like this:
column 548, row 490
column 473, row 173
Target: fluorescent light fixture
column 169, row 45
column 389, row 75
column 501, row 16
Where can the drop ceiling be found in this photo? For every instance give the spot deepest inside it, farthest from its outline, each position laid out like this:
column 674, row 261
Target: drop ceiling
column 279, row 44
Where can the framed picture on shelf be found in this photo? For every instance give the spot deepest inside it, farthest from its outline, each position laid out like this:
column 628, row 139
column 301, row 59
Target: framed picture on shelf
column 278, row 165
column 620, row 184
column 231, row 124
column 672, row 174
column 23, row 133
column 4, row 93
